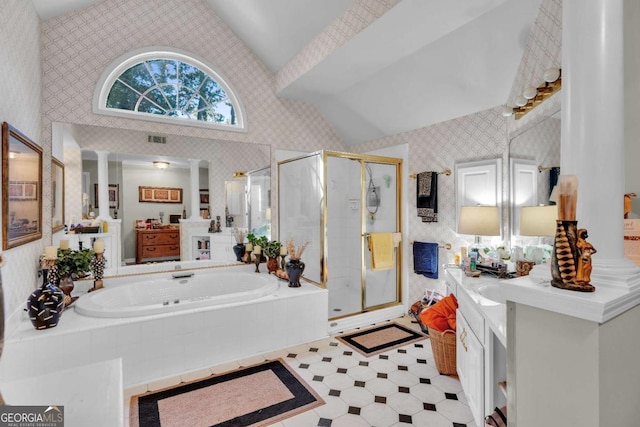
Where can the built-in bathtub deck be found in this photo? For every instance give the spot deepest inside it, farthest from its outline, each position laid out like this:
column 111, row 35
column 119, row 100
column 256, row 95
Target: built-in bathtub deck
column 162, row 345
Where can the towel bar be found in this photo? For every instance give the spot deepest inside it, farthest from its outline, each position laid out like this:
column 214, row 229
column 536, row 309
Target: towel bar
column 446, row 246
column 447, row 172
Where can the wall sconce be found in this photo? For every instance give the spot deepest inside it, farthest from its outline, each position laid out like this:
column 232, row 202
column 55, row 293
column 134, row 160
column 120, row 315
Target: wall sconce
column 161, row 165
column 532, row 96
column 239, row 174
column 479, row 221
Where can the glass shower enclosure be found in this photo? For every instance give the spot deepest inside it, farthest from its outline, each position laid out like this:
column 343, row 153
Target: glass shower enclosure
column 333, row 201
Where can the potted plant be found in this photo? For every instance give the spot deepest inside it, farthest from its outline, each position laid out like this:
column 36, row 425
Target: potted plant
column 70, row 265
column 272, row 252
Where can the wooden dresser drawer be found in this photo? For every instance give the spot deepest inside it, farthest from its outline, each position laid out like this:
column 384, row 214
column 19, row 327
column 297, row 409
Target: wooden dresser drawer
column 160, row 251
column 160, row 238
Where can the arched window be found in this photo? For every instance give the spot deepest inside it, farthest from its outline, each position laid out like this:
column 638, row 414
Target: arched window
column 170, row 86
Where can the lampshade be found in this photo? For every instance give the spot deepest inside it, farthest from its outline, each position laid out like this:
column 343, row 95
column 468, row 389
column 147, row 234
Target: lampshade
column 479, row 221
column 538, row 220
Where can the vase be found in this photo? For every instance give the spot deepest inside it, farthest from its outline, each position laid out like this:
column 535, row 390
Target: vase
column 295, row 268
column 239, row 251
column 45, row 306
column 272, row 264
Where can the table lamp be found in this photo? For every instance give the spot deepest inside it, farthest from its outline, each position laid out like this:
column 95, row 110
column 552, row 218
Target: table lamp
column 479, row 221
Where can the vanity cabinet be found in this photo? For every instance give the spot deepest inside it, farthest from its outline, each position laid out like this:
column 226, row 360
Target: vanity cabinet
column 470, row 364
column 480, row 343
column 160, row 243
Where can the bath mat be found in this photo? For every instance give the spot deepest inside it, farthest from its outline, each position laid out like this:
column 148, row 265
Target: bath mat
column 370, row 342
column 258, row 395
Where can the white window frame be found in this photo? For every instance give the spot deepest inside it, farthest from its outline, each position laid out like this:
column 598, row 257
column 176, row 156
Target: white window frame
column 126, row 61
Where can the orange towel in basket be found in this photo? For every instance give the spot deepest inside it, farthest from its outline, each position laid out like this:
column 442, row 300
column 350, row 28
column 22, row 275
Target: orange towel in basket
column 442, row 315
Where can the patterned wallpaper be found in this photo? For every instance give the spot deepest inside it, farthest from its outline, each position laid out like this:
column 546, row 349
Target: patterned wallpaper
column 20, row 106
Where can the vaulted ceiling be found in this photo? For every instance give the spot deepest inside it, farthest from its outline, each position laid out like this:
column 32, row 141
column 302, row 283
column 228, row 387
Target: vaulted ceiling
column 379, row 67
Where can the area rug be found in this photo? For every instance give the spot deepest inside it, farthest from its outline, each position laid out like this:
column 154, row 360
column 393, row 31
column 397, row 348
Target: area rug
column 258, row 395
column 370, row 342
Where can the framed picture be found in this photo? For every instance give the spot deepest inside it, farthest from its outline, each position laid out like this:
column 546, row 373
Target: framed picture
column 114, row 196
column 204, row 197
column 21, row 188
column 159, row 194
column 57, row 195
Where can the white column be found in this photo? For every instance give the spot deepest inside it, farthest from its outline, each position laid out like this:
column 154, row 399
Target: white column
column 593, row 127
column 195, row 189
column 103, row 185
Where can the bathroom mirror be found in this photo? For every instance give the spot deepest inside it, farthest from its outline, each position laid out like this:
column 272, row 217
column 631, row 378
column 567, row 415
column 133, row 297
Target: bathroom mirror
column 130, row 159
column 21, row 188
column 57, row 195
column 236, row 202
column 533, row 152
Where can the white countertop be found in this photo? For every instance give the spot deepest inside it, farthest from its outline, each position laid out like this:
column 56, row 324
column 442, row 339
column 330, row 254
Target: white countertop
column 91, row 394
column 495, row 314
column 600, row 306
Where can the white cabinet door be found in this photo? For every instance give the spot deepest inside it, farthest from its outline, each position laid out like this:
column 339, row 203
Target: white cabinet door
column 470, row 364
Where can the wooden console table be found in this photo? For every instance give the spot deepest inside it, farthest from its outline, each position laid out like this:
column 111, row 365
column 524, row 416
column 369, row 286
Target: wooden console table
column 159, row 243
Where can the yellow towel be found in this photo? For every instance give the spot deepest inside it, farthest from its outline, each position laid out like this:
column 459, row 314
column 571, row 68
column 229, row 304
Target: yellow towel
column 381, row 249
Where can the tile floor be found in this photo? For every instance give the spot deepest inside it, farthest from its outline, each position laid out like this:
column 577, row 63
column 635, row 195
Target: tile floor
column 400, row 387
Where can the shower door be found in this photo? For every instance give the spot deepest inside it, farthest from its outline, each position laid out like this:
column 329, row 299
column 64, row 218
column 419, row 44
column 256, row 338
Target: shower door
column 362, row 197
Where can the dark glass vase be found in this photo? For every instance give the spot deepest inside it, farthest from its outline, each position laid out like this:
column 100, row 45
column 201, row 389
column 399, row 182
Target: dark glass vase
column 239, row 251
column 45, row 306
column 295, row 268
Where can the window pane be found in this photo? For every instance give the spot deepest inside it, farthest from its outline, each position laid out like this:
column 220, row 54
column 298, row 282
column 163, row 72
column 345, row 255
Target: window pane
column 121, row 97
column 185, row 99
column 148, row 107
column 164, row 70
column 190, row 76
column 212, row 92
column 156, row 96
column 171, row 92
column 138, row 78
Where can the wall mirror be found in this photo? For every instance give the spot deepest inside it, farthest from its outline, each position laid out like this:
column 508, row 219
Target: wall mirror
column 236, row 202
column 57, row 195
column 130, row 165
column 479, row 183
column 21, row 188
column 532, row 154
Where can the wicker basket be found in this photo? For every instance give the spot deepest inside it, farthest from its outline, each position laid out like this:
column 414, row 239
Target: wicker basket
column 443, row 345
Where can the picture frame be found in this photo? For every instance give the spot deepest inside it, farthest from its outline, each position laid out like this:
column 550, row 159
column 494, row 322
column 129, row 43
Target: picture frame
column 159, row 194
column 57, row 195
column 204, row 197
column 114, row 196
column 21, row 188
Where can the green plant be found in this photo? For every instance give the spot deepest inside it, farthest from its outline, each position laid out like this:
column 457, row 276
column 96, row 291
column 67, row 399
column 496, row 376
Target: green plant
column 74, row 263
column 272, row 249
column 261, row 241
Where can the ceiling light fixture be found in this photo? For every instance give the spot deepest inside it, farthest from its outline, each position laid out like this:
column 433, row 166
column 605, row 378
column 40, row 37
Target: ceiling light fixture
column 161, row 165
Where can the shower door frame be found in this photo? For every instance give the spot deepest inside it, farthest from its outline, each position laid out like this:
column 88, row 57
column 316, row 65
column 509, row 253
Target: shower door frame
column 324, row 267
column 363, row 159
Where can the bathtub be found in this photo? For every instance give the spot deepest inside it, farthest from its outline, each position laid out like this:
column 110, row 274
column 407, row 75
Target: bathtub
column 176, row 291
column 204, row 329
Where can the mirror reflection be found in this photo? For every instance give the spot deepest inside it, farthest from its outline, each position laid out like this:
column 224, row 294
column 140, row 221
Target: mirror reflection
column 534, row 161
column 57, row 195
column 142, row 195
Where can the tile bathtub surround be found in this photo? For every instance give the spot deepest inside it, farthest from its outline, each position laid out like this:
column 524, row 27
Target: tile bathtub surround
column 400, row 387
